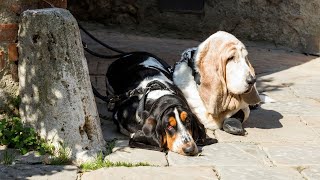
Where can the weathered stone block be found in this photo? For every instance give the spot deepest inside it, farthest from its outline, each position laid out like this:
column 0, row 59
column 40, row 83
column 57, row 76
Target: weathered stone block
column 55, row 89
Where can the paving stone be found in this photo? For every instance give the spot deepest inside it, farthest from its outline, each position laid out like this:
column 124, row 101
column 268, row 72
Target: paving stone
column 256, row 172
column 31, row 158
column 123, row 153
column 312, row 122
column 110, row 132
column 311, row 173
column 222, row 154
column 293, row 154
column 38, row 172
column 270, row 126
column 120, row 144
column 309, row 90
column 294, row 107
column 154, row 173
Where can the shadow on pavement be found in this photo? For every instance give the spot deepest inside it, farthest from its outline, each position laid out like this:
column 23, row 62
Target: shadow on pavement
column 263, row 119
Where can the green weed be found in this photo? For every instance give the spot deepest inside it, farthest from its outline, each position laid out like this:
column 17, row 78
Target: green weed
column 15, row 135
column 7, row 158
column 101, row 163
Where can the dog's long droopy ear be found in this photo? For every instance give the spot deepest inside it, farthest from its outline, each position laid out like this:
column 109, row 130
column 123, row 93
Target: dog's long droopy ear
column 147, row 137
column 211, row 66
column 199, row 133
column 252, row 97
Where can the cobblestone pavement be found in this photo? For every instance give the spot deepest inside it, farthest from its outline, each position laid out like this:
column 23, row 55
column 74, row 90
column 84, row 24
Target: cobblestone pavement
column 283, row 135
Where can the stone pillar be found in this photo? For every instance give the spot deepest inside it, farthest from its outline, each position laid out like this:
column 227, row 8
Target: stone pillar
column 55, row 88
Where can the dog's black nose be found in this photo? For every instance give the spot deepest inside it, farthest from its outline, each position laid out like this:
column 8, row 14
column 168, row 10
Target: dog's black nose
column 251, row 80
column 189, row 150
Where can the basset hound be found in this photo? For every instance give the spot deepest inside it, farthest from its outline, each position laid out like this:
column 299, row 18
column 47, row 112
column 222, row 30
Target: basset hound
column 154, row 114
column 218, row 82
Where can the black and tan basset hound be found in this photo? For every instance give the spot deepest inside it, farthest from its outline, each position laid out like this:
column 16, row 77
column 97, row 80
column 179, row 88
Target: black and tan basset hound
column 154, row 113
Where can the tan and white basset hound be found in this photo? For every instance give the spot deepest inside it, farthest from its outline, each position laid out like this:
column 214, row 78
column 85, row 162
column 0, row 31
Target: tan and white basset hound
column 218, row 82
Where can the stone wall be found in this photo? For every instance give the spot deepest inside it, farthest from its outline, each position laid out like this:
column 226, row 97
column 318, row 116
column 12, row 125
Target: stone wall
column 10, row 11
column 295, row 24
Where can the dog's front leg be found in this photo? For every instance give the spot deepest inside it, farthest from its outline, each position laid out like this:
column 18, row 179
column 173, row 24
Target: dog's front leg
column 233, row 124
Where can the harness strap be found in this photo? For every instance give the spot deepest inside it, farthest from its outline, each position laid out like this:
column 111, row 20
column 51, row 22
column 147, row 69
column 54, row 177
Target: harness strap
column 116, row 100
column 151, row 86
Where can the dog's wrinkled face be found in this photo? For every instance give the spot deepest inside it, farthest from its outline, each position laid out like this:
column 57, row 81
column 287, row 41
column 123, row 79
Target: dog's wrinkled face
column 225, row 71
column 240, row 76
column 179, row 129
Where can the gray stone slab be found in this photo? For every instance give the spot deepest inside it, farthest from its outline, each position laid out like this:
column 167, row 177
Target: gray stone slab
column 31, row 158
column 222, row 154
column 154, row 173
column 270, row 126
column 293, row 154
column 311, row 173
column 123, row 153
column 38, row 172
column 256, row 172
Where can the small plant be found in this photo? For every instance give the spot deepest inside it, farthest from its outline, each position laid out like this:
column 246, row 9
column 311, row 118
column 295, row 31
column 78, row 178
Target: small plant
column 101, row 163
column 7, row 158
column 62, row 156
column 15, row 135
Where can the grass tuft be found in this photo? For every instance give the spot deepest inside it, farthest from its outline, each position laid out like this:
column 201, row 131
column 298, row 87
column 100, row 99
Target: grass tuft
column 101, row 163
column 7, row 158
column 62, row 156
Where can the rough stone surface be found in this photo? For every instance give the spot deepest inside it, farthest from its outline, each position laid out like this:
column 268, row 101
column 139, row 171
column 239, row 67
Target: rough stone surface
column 294, row 24
column 253, row 173
column 123, row 153
column 147, row 173
column 38, row 172
column 55, row 89
column 9, row 88
column 222, row 154
column 311, row 173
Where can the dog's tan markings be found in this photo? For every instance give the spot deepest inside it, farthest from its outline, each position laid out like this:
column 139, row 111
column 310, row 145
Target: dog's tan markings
column 171, row 140
column 164, row 141
column 183, row 116
column 172, row 121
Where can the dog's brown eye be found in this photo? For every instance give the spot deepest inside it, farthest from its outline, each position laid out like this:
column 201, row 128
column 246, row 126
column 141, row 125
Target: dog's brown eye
column 230, row 58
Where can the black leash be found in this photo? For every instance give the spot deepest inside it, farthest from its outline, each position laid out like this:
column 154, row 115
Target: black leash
column 98, row 41
column 113, row 100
